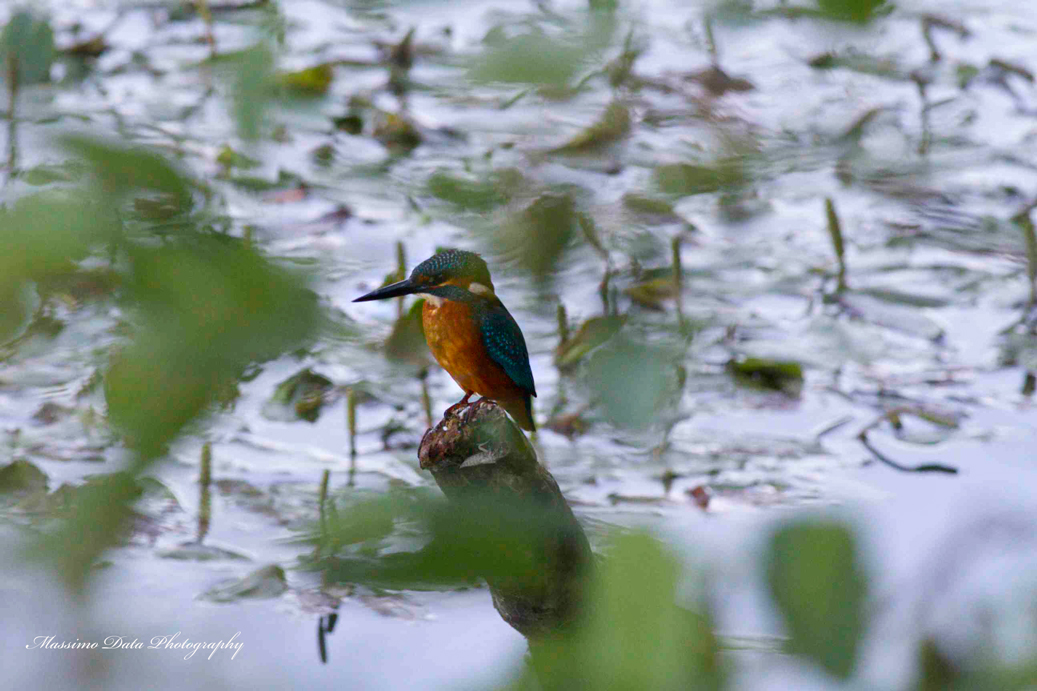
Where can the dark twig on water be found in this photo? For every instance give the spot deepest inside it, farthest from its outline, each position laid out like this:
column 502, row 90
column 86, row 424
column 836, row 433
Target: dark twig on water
column 893, row 417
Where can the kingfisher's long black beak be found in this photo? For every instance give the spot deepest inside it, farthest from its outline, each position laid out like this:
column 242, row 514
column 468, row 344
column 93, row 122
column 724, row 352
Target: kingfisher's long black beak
column 393, row 290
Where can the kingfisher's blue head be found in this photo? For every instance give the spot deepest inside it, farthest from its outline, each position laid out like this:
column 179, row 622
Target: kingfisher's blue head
column 459, row 268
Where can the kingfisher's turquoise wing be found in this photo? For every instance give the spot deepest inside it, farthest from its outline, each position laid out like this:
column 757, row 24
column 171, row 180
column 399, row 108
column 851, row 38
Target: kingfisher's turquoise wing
column 504, row 342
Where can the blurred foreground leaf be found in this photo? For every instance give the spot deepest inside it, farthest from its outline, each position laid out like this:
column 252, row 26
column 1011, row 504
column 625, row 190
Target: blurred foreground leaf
column 631, row 381
column 120, row 170
column 636, row 636
column 208, row 308
column 254, row 74
column 406, row 343
column 27, row 46
column 815, row 578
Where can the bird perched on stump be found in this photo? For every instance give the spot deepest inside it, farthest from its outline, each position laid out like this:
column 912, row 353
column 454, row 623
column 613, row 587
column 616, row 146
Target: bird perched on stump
column 470, row 331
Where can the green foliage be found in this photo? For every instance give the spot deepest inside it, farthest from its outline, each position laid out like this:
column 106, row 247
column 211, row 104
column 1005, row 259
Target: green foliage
column 539, row 234
column 120, row 171
column 613, row 124
column 815, row 578
column 27, row 46
column 299, row 397
column 475, row 195
column 530, row 58
column 311, row 81
column 636, row 637
column 775, row 375
column 203, row 306
column 631, row 381
column 854, row 10
column 252, row 74
column 592, row 333
column 208, row 307
column 686, row 179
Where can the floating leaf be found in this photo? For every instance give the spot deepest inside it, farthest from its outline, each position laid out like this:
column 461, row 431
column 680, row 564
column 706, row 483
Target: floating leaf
column 21, row 477
column 593, row 332
column 475, row 195
column 229, row 158
column 531, row 58
column 299, row 397
column 196, row 551
column 397, row 132
column 686, row 179
column 613, row 124
column 854, row 10
column 540, row 233
column 312, row 81
column 776, row 375
column 815, row 579
column 652, row 293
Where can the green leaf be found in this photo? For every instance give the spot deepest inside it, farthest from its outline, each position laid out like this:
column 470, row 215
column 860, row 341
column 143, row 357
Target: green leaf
column 686, row 179
column 208, row 307
column 121, row 170
column 854, row 10
column 815, row 578
column 776, row 375
column 539, row 234
column 636, row 636
column 613, row 125
column 531, row 58
column 27, row 43
column 299, row 397
column 252, row 81
column 593, row 332
column 313, row 81
column 631, row 381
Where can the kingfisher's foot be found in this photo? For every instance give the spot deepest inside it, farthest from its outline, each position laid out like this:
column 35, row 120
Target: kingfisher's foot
column 453, row 410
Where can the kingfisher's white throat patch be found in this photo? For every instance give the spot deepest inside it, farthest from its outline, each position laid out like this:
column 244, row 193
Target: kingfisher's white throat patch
column 480, row 289
column 433, row 300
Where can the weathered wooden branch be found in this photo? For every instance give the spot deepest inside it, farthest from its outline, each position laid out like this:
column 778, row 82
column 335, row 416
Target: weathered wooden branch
column 479, row 455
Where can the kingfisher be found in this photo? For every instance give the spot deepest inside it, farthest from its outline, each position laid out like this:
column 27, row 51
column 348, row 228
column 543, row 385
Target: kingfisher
column 470, row 332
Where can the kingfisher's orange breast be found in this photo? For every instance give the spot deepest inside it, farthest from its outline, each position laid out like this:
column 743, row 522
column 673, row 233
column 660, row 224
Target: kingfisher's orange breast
column 453, row 336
